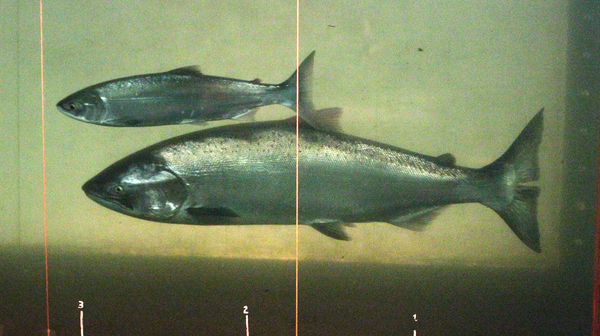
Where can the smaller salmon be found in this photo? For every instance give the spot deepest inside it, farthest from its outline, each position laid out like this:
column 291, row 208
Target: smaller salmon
column 185, row 96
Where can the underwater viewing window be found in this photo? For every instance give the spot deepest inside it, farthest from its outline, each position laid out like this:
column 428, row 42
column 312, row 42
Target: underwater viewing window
column 309, row 168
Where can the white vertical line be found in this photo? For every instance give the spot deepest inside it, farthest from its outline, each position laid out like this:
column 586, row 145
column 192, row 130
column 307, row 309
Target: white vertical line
column 247, row 327
column 44, row 190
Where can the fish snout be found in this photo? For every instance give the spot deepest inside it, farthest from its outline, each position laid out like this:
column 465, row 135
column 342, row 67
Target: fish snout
column 87, row 108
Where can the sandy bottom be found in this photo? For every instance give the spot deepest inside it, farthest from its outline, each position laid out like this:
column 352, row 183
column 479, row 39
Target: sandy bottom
column 128, row 295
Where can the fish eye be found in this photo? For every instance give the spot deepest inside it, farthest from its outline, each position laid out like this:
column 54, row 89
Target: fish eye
column 73, row 106
column 118, row 189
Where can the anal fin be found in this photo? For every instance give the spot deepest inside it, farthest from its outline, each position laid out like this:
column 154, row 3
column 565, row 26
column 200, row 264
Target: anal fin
column 416, row 219
column 246, row 115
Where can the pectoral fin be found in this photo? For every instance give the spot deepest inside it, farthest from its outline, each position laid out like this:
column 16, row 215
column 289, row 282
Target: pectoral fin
column 213, row 212
column 334, row 230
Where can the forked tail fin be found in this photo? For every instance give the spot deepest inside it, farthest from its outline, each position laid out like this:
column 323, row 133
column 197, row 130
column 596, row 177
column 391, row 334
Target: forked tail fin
column 306, row 107
column 515, row 202
column 304, row 76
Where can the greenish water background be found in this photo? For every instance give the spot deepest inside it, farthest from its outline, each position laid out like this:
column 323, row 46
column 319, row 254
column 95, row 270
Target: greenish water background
column 457, row 77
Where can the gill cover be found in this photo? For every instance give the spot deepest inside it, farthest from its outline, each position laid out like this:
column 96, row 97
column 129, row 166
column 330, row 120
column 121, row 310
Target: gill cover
column 84, row 105
column 140, row 188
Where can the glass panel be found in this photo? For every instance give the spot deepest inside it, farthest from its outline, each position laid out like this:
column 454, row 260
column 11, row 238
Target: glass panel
column 430, row 77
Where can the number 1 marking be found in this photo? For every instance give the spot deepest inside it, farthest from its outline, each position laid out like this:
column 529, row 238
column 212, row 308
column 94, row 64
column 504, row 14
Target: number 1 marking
column 415, row 319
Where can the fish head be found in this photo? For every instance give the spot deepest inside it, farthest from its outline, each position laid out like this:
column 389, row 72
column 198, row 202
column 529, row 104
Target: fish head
column 85, row 105
column 140, row 186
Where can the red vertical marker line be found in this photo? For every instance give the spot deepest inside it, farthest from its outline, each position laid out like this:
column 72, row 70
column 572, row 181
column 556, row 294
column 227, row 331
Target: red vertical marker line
column 44, row 168
column 297, row 153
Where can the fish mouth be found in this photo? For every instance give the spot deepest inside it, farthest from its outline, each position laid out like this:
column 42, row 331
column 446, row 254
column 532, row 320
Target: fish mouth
column 71, row 108
column 91, row 190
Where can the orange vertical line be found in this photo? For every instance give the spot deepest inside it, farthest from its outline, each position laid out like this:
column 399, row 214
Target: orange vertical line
column 44, row 168
column 297, row 153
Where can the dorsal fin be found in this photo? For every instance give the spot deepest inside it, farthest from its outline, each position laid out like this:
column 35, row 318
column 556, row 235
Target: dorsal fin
column 188, row 70
column 326, row 119
column 446, row 159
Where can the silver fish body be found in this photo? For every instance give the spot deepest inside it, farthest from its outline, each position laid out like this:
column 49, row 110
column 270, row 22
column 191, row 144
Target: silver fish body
column 183, row 96
column 246, row 174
